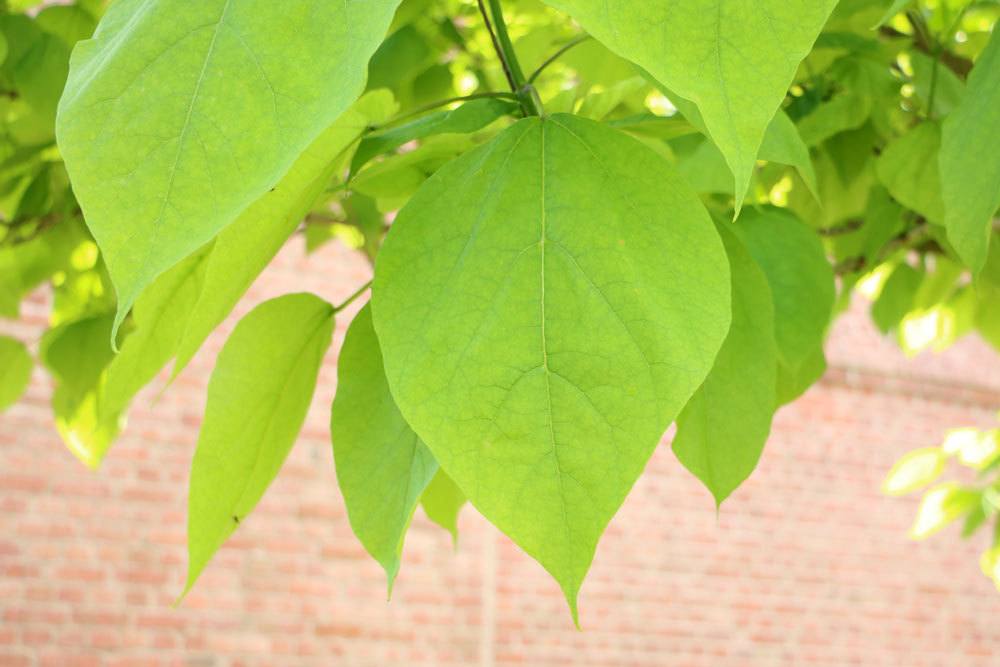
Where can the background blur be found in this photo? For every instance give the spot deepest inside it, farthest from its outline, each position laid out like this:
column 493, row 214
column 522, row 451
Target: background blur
column 806, row 565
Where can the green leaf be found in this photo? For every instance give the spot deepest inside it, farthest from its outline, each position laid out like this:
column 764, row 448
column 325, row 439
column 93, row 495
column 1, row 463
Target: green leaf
column 15, row 371
column 896, row 7
column 783, row 144
column 914, row 471
column 546, row 305
column 722, row 430
column 245, row 248
column 160, row 314
column 940, row 506
column 794, row 380
column 382, row 466
column 735, row 59
column 178, row 116
column 908, row 168
column 801, row 279
column 442, row 501
column 77, row 354
column 465, row 119
column 257, row 400
column 70, row 23
column 970, row 160
column 896, row 298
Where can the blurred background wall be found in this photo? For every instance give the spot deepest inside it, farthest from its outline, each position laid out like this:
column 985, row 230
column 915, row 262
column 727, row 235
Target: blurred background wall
column 806, row 564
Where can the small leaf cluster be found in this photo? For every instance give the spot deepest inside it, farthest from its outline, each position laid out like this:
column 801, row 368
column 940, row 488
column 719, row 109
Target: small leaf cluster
column 588, row 221
column 976, row 502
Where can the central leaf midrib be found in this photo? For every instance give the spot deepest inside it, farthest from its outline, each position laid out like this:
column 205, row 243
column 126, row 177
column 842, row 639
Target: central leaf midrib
column 545, row 351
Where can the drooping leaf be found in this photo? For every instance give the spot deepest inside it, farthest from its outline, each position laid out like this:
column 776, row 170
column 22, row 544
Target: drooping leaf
column 722, row 430
column 795, row 379
column 801, row 279
column 245, row 248
column 15, row 371
column 546, row 304
column 896, row 298
column 442, row 501
column 469, row 117
column 257, row 400
column 77, row 354
column 178, row 115
column 909, row 170
column 159, row 315
column 735, row 59
column 970, row 160
column 784, row 144
column 382, row 466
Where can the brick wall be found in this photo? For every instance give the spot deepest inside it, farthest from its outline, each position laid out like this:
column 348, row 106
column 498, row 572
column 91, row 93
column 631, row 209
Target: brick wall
column 806, row 565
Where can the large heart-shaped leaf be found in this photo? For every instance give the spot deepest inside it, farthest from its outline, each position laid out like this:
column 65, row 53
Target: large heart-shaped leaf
column 733, row 58
column 546, row 304
column 178, row 115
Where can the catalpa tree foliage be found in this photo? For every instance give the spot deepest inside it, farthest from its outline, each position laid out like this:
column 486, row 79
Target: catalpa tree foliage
column 607, row 217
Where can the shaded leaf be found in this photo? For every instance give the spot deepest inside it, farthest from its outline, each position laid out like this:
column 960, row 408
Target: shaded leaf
column 464, row 119
column 801, row 279
column 908, row 168
column 970, row 161
column 77, row 354
column 722, row 430
column 382, row 466
column 442, row 501
column 15, row 371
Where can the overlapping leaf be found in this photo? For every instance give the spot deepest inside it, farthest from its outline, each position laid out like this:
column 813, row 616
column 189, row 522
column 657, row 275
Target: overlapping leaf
column 970, row 160
column 735, row 59
column 722, row 430
column 382, row 465
column 546, row 305
column 178, row 115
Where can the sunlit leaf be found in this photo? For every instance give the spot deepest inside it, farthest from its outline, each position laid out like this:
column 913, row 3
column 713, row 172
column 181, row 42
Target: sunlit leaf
column 178, row 115
column 914, row 471
column 546, row 305
column 257, row 400
column 940, row 506
column 244, row 249
column 735, row 59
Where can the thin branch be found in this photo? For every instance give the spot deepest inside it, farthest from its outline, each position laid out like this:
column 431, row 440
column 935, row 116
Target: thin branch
column 351, row 299
column 436, row 105
column 557, row 55
column 496, row 47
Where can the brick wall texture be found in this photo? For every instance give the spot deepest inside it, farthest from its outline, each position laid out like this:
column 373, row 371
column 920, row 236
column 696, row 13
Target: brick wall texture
column 806, row 564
